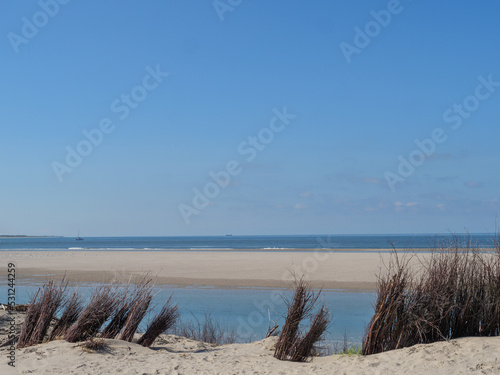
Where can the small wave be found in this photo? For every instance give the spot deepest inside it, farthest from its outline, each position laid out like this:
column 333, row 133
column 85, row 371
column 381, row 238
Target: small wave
column 76, row 248
column 202, row 248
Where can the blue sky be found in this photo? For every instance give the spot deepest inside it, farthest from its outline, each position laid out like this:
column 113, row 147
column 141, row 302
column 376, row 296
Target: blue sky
column 413, row 69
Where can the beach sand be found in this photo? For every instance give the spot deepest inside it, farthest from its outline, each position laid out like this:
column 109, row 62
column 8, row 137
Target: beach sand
column 332, row 270
column 175, row 355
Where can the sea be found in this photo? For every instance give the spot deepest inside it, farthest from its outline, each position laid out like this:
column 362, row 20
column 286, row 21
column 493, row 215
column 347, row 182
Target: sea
column 241, row 243
column 248, row 312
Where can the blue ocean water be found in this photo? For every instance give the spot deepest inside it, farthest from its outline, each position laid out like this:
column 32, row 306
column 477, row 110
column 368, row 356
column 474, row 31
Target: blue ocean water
column 267, row 243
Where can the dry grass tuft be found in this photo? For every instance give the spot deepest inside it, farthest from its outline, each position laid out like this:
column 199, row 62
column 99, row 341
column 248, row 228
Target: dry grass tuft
column 161, row 322
column 42, row 308
column 73, row 308
column 123, row 309
column 210, row 330
column 103, row 303
column 119, row 317
column 306, row 346
column 455, row 293
column 293, row 345
column 139, row 305
column 93, row 344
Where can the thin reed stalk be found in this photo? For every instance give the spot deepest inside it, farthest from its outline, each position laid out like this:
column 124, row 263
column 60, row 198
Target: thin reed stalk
column 210, row 330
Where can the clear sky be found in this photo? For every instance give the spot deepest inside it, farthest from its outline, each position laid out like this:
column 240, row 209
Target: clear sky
column 323, row 116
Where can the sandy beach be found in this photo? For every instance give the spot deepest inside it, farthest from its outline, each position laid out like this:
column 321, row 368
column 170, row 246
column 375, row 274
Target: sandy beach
column 332, row 270
column 175, row 355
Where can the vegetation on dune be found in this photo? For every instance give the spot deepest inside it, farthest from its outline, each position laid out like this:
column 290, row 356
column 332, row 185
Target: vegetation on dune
column 294, row 344
column 139, row 306
column 453, row 293
column 209, row 330
column 160, row 323
column 122, row 309
column 73, row 308
column 41, row 311
column 103, row 303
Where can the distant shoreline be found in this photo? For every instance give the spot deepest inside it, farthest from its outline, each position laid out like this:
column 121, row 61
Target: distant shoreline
column 26, row 236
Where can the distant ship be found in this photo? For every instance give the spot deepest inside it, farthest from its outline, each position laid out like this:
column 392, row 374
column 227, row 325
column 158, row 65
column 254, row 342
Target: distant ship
column 79, row 238
column 229, row 235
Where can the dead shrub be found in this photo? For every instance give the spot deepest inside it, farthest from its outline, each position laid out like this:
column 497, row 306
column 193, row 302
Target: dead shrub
column 93, row 344
column 454, row 293
column 160, row 323
column 40, row 313
column 139, row 305
column 73, row 308
column 119, row 317
column 102, row 304
column 293, row 345
column 210, row 330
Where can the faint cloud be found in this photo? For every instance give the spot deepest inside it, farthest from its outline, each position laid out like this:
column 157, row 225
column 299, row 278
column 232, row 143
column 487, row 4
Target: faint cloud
column 457, row 205
column 437, row 156
column 401, row 204
column 300, row 206
column 305, row 194
column 440, row 178
column 354, row 179
column 405, row 207
column 474, row 184
column 436, row 196
column 261, row 167
column 371, row 180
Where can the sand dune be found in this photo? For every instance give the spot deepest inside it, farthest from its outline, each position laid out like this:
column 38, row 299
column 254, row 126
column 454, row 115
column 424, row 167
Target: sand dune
column 175, row 355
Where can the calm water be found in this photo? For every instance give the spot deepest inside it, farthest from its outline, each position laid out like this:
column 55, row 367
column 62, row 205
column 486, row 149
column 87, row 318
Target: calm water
column 269, row 243
column 245, row 310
